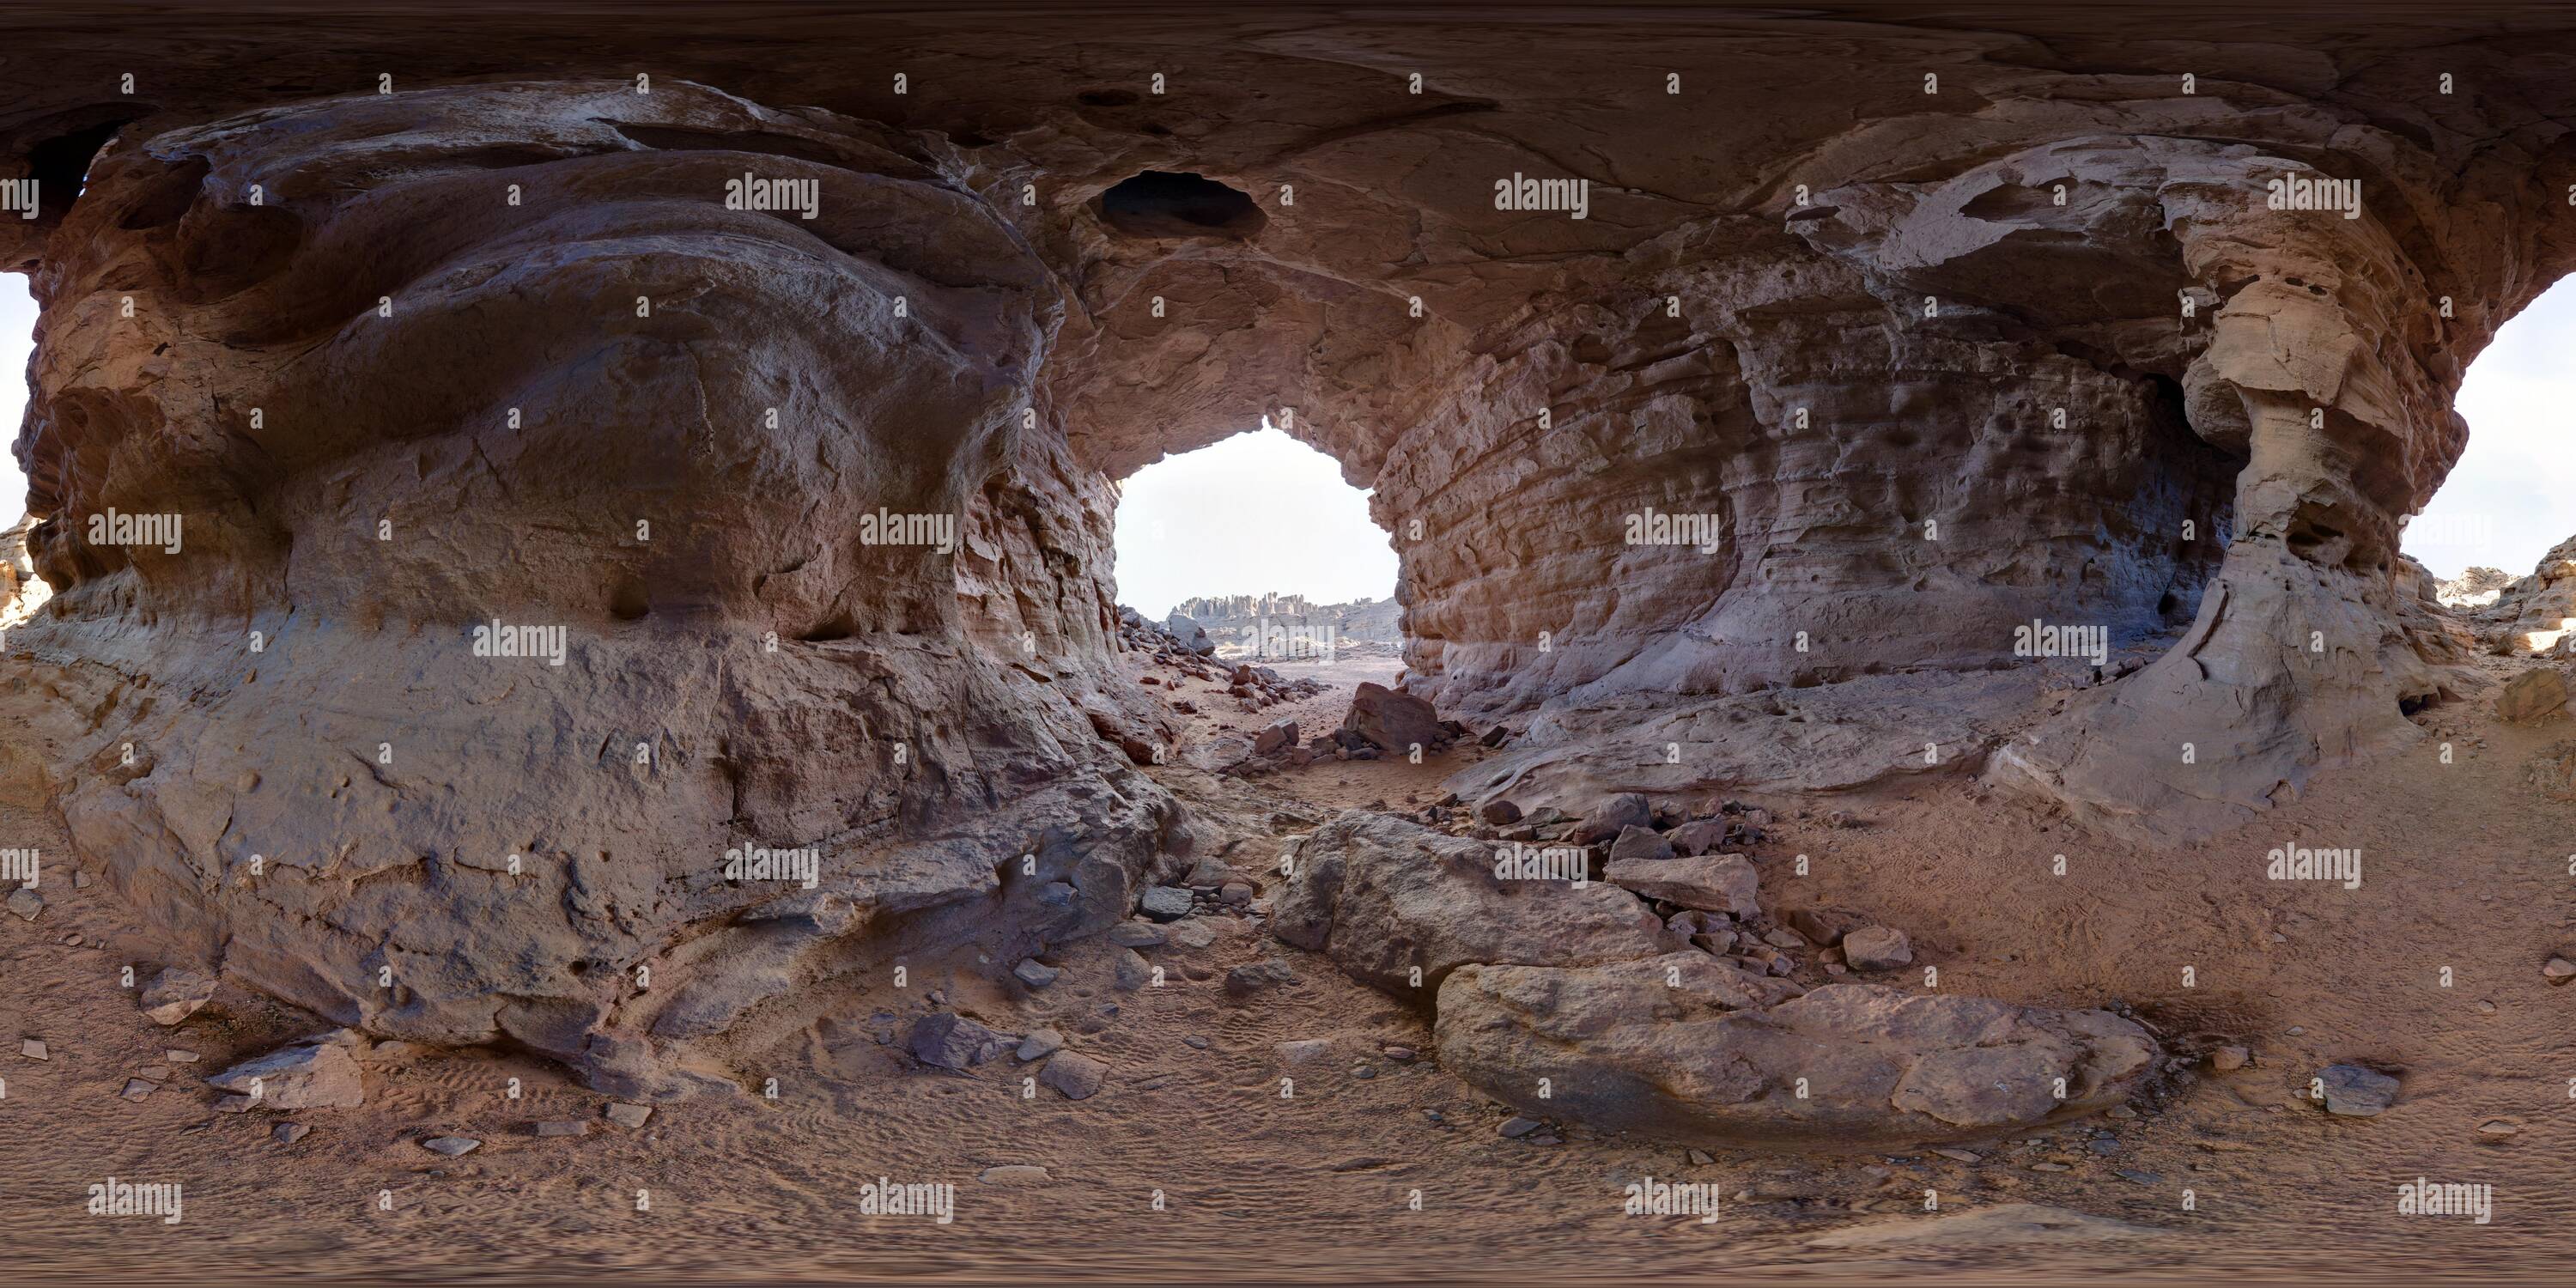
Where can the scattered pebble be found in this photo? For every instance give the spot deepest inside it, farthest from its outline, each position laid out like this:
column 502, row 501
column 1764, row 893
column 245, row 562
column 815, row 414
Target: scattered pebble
column 137, row 1088
column 2354, row 1092
column 2228, row 1059
column 1039, row 1045
column 33, row 1049
column 1514, row 1128
column 288, row 1133
column 2499, row 1128
column 1195, row 1041
column 560, row 1127
column 1958, row 1155
column 452, row 1146
column 625, row 1115
column 1035, row 973
column 2558, row 970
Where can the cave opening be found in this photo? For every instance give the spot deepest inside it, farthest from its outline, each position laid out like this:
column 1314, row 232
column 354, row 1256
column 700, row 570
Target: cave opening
column 22, row 592
column 1259, row 540
column 1160, row 203
column 2511, row 497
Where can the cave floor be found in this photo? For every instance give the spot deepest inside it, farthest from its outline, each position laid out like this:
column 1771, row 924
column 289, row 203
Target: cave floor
column 2431, row 968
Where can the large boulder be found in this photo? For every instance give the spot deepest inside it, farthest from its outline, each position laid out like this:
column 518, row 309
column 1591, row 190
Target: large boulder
column 1393, row 721
column 1685, row 1047
column 1382, row 897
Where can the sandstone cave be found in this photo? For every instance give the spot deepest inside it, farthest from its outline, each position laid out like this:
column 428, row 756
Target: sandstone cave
column 572, row 710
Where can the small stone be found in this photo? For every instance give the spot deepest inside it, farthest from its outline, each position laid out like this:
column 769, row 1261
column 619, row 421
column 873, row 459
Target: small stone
column 947, row 1040
column 2558, row 970
column 1195, row 1042
column 1616, row 815
column 1235, row 894
column 1035, row 973
column 2229, row 1059
column 1165, row 903
column 156, row 1074
column 1304, row 1050
column 26, row 903
column 2498, row 1128
column 1194, row 933
column 1877, row 948
column 1363, row 1072
column 625, row 1115
column 2048, row 1167
column 1014, row 1174
column 232, row 1104
column 2122, row 1112
column 1958, row 1155
column 452, row 1146
column 1516, row 1127
column 2485, row 1007
column 32, row 1049
column 175, row 994
column 1398, row 1053
column 1499, row 812
column 177, row 1056
column 1640, row 843
column 2354, row 1092
column 2137, row 1178
column 288, row 1133
column 1073, row 1075
column 1700, row 1158
column 573, row 1127
column 2103, row 1145
column 137, row 1088
column 1138, row 934
column 81, row 880
column 1246, row 980
column 1039, row 1045
column 1780, row 938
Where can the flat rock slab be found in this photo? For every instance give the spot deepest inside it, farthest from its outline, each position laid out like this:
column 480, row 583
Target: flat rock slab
column 571, row 1127
column 2355, row 1092
column 297, row 1077
column 1382, row 897
column 175, row 994
column 625, row 1115
column 1687, row 1048
column 452, row 1146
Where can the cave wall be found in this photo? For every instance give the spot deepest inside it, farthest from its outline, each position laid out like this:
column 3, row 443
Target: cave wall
column 1834, row 313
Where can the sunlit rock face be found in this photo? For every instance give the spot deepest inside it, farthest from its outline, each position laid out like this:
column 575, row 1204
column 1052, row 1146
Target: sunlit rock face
column 1901, row 401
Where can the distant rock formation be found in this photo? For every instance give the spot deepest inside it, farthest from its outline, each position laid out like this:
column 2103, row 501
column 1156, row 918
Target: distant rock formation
column 1276, row 625
column 2532, row 615
column 2476, row 588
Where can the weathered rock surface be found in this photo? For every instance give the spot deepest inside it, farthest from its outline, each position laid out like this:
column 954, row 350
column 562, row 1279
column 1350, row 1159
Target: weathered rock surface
column 1871, row 363
column 310, row 1076
column 2532, row 696
column 1716, row 1059
column 1383, row 897
column 1392, row 721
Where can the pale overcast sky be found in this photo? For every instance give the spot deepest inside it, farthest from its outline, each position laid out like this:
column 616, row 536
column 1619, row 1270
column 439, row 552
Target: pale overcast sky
column 1259, row 511
column 1262, row 511
column 2513, row 494
column 17, row 339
